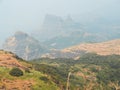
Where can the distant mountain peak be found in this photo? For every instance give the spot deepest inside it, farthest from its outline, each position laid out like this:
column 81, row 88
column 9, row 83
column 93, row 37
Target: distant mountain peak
column 20, row 34
column 54, row 26
column 52, row 20
column 24, row 46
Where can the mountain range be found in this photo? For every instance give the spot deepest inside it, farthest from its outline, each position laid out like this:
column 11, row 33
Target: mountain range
column 55, row 35
column 61, row 32
column 29, row 48
column 88, row 61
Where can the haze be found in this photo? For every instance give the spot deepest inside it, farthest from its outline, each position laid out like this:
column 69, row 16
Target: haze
column 27, row 15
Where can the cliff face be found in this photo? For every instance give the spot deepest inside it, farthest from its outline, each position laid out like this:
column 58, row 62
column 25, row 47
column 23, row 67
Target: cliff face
column 24, row 46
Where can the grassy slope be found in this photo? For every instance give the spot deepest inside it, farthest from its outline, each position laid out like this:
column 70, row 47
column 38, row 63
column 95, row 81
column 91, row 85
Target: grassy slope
column 29, row 81
column 34, row 77
column 90, row 72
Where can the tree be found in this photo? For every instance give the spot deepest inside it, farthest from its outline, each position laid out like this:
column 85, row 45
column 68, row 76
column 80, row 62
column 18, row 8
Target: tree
column 16, row 72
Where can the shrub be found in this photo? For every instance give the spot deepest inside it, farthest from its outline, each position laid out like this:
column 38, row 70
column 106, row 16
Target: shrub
column 45, row 79
column 16, row 72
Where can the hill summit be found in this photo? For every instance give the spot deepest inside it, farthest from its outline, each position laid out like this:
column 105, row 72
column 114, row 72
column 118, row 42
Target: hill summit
column 10, row 60
column 24, row 46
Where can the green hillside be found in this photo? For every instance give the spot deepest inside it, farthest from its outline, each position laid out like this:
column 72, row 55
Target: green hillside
column 30, row 79
column 90, row 72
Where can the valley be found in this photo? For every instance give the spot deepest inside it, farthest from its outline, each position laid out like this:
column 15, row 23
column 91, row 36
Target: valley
column 59, row 45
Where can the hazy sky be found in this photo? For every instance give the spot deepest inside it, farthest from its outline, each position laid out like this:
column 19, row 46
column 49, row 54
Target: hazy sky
column 27, row 15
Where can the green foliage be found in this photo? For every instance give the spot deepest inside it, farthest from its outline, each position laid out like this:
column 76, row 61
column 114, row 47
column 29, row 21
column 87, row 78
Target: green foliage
column 93, row 69
column 100, row 69
column 44, row 78
column 16, row 72
column 57, row 75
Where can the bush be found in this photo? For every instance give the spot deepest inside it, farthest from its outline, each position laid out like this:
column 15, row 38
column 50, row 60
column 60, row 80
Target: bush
column 16, row 72
column 45, row 79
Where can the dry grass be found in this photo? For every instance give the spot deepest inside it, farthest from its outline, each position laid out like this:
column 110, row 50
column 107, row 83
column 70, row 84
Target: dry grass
column 104, row 48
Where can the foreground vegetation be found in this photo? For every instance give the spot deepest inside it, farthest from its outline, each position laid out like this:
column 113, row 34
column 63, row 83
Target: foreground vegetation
column 90, row 72
column 17, row 74
column 35, row 78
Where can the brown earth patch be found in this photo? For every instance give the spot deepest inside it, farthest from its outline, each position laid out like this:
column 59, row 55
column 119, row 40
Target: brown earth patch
column 8, row 60
column 16, row 84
